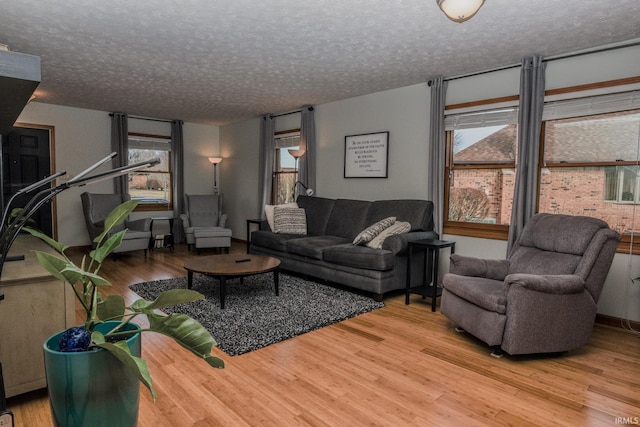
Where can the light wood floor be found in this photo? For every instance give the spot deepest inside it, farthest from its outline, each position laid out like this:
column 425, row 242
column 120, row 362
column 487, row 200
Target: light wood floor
column 398, row 366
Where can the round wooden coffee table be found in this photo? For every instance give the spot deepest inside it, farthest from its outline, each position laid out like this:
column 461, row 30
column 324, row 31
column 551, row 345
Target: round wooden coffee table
column 223, row 267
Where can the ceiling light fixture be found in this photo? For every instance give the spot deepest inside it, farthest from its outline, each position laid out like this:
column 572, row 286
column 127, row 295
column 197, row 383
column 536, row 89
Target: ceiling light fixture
column 460, row 10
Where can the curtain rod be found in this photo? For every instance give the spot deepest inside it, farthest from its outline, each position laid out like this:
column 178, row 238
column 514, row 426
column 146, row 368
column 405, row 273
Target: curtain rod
column 634, row 42
column 273, row 116
column 146, row 118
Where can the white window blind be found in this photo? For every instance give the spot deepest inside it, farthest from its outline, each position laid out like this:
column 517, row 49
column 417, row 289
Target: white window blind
column 591, row 105
column 148, row 142
column 501, row 117
column 287, row 140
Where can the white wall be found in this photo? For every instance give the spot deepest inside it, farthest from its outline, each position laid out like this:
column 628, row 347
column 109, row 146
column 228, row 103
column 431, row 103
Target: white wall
column 404, row 112
column 84, row 136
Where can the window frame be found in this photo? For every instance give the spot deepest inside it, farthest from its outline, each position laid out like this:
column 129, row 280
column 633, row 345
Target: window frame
column 462, row 228
column 277, row 172
column 627, row 244
column 146, row 207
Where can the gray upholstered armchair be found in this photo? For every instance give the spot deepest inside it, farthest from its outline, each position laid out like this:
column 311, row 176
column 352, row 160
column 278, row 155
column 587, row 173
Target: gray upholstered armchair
column 543, row 299
column 204, row 223
column 96, row 207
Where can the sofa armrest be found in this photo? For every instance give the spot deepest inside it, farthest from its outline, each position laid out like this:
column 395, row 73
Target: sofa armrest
column 561, row 284
column 143, row 224
column 496, row 269
column 223, row 221
column 398, row 243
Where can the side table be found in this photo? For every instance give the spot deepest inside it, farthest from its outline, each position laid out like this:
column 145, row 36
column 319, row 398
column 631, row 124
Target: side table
column 431, row 249
column 159, row 241
column 249, row 223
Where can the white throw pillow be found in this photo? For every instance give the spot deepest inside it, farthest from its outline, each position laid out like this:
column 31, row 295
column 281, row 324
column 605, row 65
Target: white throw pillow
column 289, row 221
column 372, row 231
column 268, row 211
column 398, row 228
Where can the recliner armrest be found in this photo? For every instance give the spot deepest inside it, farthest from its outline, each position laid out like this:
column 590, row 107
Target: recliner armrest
column 496, row 269
column 561, row 284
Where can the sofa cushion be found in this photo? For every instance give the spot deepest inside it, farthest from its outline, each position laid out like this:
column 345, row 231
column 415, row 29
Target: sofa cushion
column 359, row 257
column 313, row 246
column 289, row 221
column 268, row 239
column 486, row 293
column 268, row 211
column 419, row 213
column 398, row 227
column 348, row 218
column 318, row 210
column 373, row 230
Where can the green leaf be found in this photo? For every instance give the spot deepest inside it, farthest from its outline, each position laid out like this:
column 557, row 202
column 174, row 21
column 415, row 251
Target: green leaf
column 188, row 333
column 167, row 299
column 121, row 351
column 102, row 252
column 85, row 275
column 111, row 308
column 117, row 216
column 55, row 245
column 53, row 265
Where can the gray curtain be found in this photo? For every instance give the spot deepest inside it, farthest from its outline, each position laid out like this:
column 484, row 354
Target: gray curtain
column 437, row 151
column 307, row 171
column 120, row 144
column 532, row 76
column 177, row 167
column 265, row 180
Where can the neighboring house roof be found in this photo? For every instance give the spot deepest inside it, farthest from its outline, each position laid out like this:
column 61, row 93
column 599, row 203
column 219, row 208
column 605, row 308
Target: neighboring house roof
column 499, row 147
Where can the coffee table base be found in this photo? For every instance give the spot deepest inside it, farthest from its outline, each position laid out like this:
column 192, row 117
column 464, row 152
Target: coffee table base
column 223, row 288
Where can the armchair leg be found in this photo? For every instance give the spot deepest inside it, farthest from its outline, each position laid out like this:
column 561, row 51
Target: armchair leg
column 459, row 329
column 497, row 352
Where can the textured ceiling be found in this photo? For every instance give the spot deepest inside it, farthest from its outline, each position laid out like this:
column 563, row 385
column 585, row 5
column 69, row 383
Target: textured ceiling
column 219, row 62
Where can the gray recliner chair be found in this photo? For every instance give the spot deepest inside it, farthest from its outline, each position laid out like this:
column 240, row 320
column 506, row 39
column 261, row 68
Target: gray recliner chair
column 204, row 223
column 96, row 207
column 543, row 298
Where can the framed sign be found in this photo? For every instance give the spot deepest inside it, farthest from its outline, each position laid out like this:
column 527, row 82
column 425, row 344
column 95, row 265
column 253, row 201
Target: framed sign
column 365, row 156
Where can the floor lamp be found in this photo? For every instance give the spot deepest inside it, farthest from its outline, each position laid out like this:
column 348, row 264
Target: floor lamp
column 296, row 155
column 214, row 161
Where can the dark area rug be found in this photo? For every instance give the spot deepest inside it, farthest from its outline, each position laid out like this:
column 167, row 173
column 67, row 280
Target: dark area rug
column 254, row 317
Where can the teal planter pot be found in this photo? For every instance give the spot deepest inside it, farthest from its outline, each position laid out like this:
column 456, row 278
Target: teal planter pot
column 92, row 388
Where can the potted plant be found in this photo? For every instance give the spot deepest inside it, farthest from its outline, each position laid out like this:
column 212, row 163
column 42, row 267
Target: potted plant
column 94, row 370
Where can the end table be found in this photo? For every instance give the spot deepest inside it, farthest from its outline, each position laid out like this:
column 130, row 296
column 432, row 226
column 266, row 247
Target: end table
column 431, row 249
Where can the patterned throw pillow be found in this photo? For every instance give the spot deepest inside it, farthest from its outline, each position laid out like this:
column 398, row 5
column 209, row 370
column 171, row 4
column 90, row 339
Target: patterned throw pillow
column 289, row 221
column 397, row 228
column 268, row 211
column 372, row 231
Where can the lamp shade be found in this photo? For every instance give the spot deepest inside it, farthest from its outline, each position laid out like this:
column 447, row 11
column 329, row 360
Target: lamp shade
column 215, row 160
column 460, row 10
column 296, row 153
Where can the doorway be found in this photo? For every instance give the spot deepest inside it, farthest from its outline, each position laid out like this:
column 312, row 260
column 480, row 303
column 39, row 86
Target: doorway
column 27, row 157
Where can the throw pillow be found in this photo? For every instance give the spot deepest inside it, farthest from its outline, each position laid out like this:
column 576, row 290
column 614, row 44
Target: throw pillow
column 397, row 228
column 289, row 221
column 372, row 231
column 268, row 211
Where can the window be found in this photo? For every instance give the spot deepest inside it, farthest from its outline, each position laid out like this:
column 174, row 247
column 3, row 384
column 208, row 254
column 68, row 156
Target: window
column 152, row 186
column 591, row 168
column 480, row 172
column 285, row 167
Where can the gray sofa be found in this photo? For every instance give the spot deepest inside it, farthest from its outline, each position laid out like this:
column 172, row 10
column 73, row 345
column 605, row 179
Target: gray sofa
column 326, row 251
